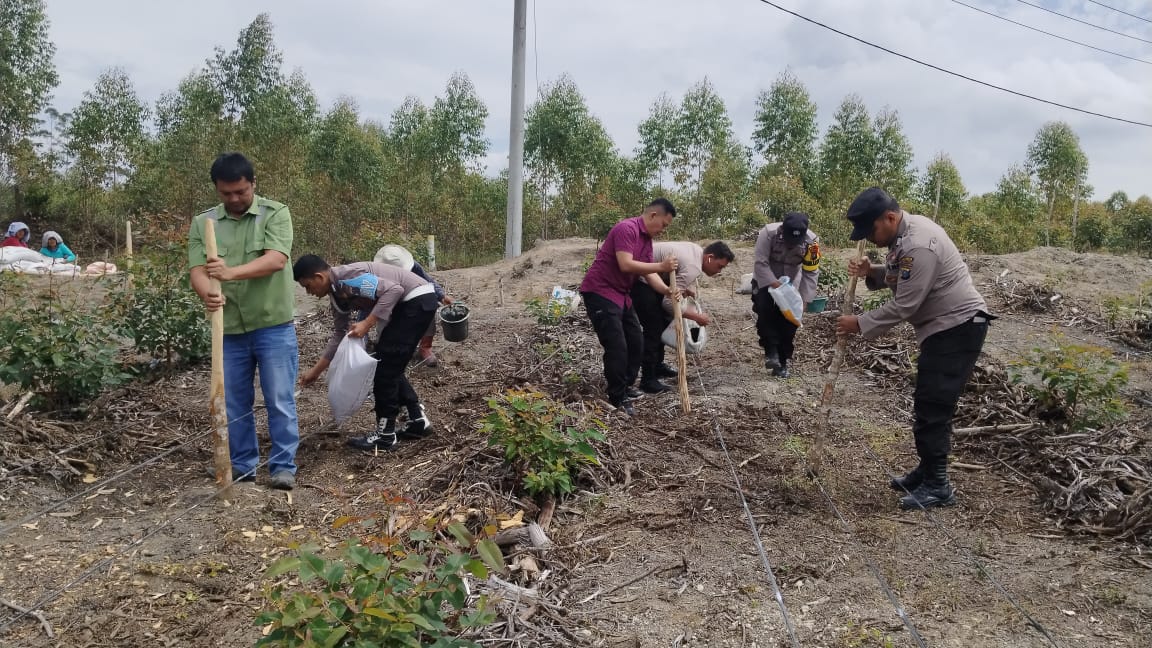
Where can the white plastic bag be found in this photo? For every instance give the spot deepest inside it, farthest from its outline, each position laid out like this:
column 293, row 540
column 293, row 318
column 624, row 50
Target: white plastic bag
column 695, row 336
column 788, row 300
column 349, row 378
column 568, row 299
column 745, row 284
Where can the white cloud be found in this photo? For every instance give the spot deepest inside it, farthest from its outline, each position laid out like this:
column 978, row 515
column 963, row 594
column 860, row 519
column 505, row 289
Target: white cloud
column 624, row 54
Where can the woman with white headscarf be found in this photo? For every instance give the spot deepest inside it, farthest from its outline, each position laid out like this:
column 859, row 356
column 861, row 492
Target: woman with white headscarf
column 17, row 235
column 54, row 247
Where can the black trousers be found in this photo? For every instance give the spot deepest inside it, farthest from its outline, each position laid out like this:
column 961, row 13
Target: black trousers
column 397, row 343
column 649, row 307
column 775, row 331
column 620, row 334
column 946, row 362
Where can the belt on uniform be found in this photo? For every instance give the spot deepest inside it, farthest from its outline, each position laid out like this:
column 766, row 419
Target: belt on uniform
column 426, row 289
column 982, row 318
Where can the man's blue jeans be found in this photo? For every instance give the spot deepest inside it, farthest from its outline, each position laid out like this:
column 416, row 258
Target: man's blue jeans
column 274, row 351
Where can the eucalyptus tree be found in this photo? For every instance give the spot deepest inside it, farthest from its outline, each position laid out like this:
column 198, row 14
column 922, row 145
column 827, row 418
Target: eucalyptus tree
column 1060, row 167
column 702, row 128
column 848, row 152
column 567, row 150
column 785, row 128
column 27, row 77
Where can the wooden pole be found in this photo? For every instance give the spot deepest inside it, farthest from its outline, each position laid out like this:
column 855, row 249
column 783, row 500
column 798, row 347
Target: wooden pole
column 681, row 357
column 128, row 251
column 1075, row 214
column 431, row 252
column 816, row 452
column 221, row 457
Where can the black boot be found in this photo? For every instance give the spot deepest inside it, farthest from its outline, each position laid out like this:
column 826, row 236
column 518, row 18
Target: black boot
column 782, row 370
column 771, row 359
column 910, row 481
column 934, row 490
column 665, row 371
column 419, row 424
column 382, row 438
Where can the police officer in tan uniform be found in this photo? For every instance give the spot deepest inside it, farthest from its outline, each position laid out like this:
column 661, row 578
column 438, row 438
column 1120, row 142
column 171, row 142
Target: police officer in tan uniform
column 786, row 249
column 931, row 290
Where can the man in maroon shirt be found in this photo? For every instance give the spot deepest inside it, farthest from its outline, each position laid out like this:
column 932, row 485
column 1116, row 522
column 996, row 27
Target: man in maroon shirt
column 606, row 289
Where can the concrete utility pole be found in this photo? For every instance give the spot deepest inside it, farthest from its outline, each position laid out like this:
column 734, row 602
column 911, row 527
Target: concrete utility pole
column 513, row 231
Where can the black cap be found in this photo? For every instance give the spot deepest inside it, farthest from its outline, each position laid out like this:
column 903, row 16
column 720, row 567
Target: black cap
column 795, row 226
column 866, row 208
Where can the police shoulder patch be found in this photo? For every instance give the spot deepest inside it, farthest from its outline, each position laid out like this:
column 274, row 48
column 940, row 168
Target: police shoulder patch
column 906, row 267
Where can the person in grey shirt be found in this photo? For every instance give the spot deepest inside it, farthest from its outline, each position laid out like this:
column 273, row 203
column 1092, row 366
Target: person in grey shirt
column 933, row 291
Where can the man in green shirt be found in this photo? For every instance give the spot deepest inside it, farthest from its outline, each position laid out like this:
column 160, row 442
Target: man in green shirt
column 253, row 242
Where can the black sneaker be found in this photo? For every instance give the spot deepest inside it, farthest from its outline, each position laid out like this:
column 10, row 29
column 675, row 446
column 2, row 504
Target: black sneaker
column 928, row 496
column 633, row 393
column 782, row 370
column 654, row 386
column 626, row 408
column 248, row 477
column 383, row 438
column 665, row 371
column 771, row 360
column 418, row 426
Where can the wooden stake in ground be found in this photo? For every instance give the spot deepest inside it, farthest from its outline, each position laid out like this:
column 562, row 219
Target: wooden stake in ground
column 128, row 251
column 221, row 458
column 681, row 358
column 816, row 452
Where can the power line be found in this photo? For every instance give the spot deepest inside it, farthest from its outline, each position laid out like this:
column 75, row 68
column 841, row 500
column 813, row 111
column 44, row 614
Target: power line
column 779, row 596
column 535, row 50
column 956, row 74
column 1120, row 11
column 1083, row 22
column 1098, row 49
column 872, row 566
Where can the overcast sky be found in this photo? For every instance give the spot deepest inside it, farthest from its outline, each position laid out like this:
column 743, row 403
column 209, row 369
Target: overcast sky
column 624, row 53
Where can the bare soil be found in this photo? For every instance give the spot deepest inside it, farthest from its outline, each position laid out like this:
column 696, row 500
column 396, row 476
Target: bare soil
column 655, row 548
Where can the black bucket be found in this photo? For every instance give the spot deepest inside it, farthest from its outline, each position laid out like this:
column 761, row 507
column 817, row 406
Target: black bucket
column 454, row 322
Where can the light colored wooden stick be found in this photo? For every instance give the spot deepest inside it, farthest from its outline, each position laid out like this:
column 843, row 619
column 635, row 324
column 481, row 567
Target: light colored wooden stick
column 1009, row 427
column 221, row 457
column 20, row 404
column 816, row 452
column 128, row 251
column 681, row 357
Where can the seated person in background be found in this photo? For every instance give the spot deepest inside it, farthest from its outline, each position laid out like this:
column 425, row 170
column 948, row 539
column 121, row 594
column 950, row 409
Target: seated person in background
column 54, row 247
column 17, row 235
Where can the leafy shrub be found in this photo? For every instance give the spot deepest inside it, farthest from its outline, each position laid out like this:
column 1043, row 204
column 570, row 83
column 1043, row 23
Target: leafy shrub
column 1078, row 383
column 541, row 439
column 161, row 313
column 874, row 299
column 66, row 355
column 412, row 593
column 548, row 312
column 833, row 276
